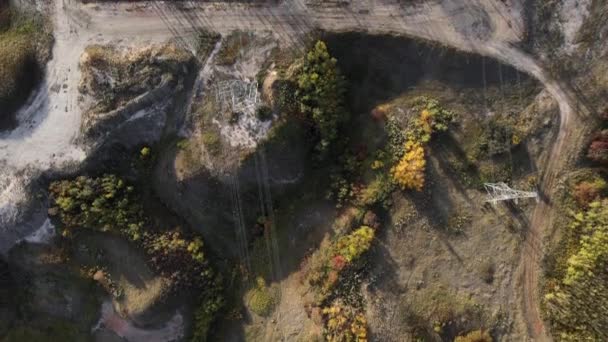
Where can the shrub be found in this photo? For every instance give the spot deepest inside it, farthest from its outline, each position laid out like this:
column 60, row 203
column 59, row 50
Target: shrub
column 285, row 91
column 475, row 336
column 210, row 303
column 261, row 298
column 348, row 219
column 144, row 153
column 320, row 93
column 396, row 140
column 340, row 189
column 433, row 118
column 588, row 191
column 264, row 113
column 409, row 172
column 498, row 138
column 352, row 246
column 211, row 140
column 378, row 191
column 331, row 260
column 178, row 258
column 598, row 150
column 344, row 324
column 132, row 72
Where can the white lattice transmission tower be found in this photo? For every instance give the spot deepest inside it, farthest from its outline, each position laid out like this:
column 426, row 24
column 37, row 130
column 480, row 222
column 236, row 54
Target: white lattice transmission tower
column 502, row 192
column 237, row 95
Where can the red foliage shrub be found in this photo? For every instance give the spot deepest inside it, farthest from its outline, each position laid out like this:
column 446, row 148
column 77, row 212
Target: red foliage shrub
column 378, row 114
column 598, row 150
column 338, row 263
column 586, row 192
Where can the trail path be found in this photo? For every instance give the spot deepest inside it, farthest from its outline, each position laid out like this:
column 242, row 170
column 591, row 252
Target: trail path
column 487, row 27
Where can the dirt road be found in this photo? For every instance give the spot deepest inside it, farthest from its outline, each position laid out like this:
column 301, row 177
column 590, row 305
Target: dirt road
column 487, row 27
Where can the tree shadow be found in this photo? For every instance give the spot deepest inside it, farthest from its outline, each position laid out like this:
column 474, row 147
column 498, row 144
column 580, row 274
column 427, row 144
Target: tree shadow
column 517, row 213
column 381, row 67
column 523, row 164
column 446, row 148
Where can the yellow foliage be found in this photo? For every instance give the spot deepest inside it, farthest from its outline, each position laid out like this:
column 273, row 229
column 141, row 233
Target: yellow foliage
column 344, row 324
column 425, row 121
column 515, row 140
column 377, row 164
column 409, row 172
column 475, row 336
column 384, row 108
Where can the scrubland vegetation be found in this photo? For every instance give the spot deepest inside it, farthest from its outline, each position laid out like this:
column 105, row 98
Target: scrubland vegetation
column 578, row 296
column 344, row 324
column 361, row 174
column 575, row 291
column 108, row 204
column 409, row 172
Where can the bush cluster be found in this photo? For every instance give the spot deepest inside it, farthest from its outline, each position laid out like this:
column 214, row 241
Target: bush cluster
column 586, row 192
column 108, row 204
column 210, row 302
column 433, row 118
column 105, row 204
column 574, row 304
column 344, row 324
column 377, row 191
column 497, row 136
column 327, row 265
column 598, row 150
column 262, row 298
column 409, row 170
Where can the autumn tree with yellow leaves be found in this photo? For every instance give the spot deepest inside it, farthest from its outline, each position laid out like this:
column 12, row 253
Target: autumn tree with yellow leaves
column 409, row 172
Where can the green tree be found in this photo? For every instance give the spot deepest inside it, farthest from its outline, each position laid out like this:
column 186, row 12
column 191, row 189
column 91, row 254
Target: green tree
column 320, row 93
